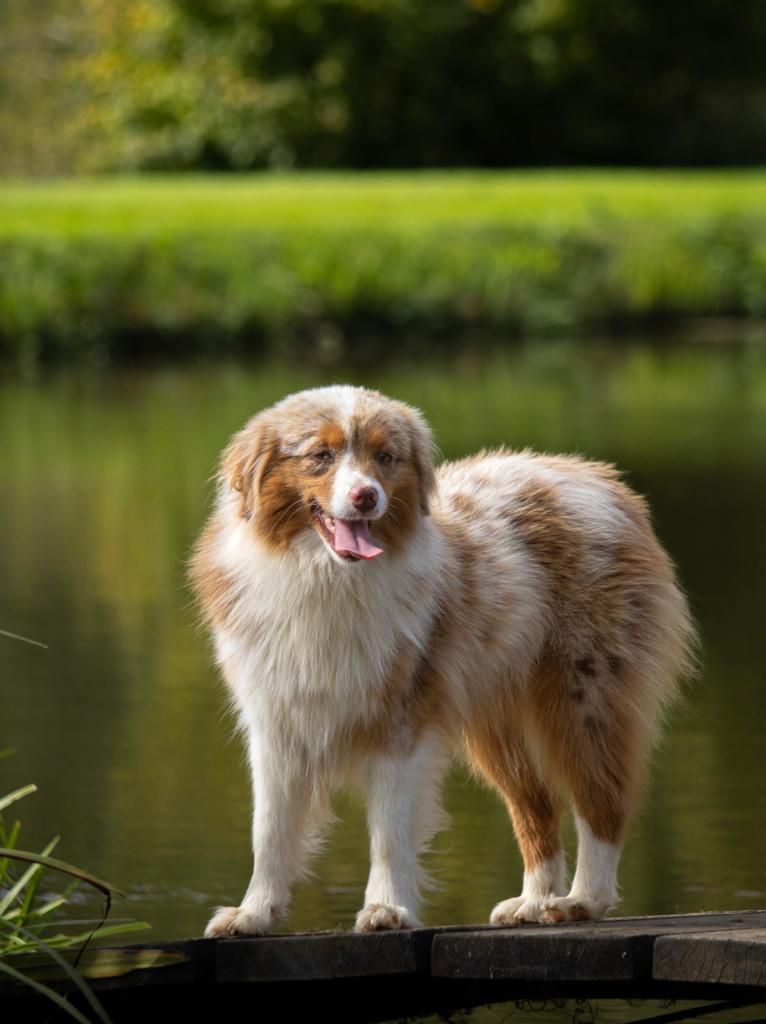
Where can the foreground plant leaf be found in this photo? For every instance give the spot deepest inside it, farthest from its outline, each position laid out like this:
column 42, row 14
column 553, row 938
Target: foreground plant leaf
column 29, row 882
column 59, row 865
column 17, row 794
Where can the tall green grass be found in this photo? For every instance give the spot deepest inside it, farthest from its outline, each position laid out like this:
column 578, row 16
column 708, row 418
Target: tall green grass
column 33, row 935
column 274, row 263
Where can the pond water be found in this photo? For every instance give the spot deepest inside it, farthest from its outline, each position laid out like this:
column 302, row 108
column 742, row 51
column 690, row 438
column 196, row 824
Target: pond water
column 121, row 722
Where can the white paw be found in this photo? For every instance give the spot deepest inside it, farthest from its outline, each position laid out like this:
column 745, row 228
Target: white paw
column 230, row 921
column 575, row 908
column 380, row 917
column 520, row 910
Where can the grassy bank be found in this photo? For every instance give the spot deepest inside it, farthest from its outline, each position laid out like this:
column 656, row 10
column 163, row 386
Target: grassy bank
column 267, row 262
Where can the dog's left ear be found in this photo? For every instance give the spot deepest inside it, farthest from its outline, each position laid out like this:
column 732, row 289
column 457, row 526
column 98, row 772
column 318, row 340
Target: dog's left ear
column 422, row 454
column 246, row 462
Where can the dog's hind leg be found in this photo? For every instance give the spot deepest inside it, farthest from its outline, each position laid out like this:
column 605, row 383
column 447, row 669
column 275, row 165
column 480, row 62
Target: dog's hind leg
column 403, row 812
column 535, row 811
column 602, row 760
column 595, row 719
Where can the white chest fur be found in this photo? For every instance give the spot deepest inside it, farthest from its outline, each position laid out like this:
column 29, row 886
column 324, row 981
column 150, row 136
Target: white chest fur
column 310, row 645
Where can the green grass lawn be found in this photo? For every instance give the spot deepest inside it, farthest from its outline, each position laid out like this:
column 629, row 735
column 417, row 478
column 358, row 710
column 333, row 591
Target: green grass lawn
column 252, row 263
column 401, row 201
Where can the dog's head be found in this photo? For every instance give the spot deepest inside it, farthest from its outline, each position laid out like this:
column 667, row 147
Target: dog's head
column 348, row 464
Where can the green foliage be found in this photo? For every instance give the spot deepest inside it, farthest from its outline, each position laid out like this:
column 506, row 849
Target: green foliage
column 40, row 102
column 167, row 267
column 243, row 84
column 221, row 84
column 30, row 918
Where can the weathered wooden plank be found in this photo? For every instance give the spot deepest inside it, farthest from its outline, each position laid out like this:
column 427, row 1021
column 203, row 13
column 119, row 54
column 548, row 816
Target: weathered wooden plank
column 323, row 956
column 616, row 950
column 542, row 954
column 727, row 957
column 703, row 921
column 363, row 979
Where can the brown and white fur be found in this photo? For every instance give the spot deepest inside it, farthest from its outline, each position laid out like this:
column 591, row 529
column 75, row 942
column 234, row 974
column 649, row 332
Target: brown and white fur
column 521, row 612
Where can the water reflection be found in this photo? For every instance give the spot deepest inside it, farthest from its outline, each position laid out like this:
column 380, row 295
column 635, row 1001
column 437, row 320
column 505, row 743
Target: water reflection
column 104, row 480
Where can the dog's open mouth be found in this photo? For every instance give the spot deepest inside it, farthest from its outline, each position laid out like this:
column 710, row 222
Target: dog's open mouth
column 349, row 538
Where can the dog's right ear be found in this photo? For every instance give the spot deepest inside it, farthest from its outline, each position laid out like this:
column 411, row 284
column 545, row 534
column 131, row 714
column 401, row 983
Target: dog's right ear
column 246, row 462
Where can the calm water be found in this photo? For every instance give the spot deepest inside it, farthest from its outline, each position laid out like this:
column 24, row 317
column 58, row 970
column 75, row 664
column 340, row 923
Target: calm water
column 104, row 482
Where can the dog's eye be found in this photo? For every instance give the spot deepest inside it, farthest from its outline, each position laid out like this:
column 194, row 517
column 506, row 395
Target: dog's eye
column 322, row 455
column 384, row 458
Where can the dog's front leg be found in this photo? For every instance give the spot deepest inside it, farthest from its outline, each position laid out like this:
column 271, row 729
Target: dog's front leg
column 403, row 813
column 282, row 810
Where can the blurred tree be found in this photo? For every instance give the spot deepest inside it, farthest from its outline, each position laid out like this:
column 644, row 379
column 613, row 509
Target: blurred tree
column 384, row 83
column 644, row 82
column 167, row 92
column 37, row 99
column 241, row 83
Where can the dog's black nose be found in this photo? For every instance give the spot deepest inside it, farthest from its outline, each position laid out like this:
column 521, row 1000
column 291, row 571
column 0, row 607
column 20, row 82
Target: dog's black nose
column 364, row 498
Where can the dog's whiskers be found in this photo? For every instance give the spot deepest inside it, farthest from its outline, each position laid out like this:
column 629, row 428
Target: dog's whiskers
column 290, row 511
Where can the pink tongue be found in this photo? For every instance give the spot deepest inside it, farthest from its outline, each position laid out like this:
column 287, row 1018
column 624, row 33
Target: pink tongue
column 352, row 537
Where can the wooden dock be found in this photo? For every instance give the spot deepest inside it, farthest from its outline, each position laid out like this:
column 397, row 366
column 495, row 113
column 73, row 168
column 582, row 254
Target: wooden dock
column 343, row 977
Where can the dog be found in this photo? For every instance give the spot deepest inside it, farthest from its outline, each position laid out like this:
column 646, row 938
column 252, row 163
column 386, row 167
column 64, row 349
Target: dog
column 372, row 616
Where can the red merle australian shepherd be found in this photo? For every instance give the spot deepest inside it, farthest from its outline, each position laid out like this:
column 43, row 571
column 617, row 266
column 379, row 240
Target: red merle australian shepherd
column 374, row 615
